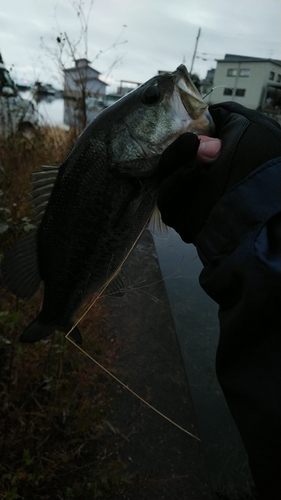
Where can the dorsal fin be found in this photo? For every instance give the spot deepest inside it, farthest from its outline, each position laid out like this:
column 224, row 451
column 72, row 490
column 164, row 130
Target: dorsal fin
column 20, row 265
column 42, row 185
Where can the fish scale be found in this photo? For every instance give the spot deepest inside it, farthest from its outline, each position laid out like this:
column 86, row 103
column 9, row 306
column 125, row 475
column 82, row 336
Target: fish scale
column 92, row 210
column 95, row 245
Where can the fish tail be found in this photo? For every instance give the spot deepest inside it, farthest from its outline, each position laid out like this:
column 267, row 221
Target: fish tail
column 38, row 330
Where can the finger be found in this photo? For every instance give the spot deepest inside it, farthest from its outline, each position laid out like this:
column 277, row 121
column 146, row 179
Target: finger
column 209, row 149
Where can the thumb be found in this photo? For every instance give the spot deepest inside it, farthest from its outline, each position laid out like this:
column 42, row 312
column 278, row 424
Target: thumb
column 209, row 149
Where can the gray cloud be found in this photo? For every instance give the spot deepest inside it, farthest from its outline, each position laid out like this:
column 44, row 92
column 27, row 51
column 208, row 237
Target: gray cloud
column 159, row 34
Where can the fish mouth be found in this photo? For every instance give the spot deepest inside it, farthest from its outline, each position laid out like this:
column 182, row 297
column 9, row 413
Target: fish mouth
column 190, row 97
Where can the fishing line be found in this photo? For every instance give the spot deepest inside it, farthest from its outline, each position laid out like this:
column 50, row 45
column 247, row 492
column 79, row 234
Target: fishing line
column 113, row 376
column 216, row 87
column 131, row 391
column 102, row 367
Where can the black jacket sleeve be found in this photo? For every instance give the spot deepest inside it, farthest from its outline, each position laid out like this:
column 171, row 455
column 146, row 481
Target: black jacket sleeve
column 190, row 190
column 231, row 210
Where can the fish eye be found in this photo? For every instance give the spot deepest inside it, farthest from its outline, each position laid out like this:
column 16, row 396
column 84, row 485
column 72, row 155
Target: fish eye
column 151, row 94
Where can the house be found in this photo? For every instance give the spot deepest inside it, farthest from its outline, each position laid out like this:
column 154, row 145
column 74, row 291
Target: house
column 252, row 81
column 83, row 81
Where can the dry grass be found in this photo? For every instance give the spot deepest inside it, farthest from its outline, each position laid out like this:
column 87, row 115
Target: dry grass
column 55, row 442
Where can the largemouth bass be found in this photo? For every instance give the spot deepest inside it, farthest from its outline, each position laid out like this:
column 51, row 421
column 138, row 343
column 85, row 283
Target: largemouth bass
column 91, row 210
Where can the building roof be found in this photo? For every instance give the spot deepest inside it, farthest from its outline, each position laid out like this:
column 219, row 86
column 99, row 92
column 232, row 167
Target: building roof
column 238, row 58
column 78, row 66
column 82, row 59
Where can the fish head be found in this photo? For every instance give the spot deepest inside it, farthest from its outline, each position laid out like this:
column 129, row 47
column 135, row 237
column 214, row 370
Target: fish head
column 155, row 114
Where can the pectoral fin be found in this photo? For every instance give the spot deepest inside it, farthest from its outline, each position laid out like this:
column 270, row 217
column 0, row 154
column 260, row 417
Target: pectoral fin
column 116, row 286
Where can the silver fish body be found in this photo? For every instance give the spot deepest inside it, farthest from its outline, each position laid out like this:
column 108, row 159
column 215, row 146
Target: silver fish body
column 102, row 198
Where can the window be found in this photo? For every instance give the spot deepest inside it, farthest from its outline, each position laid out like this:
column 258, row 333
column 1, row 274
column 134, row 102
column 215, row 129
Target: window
column 279, row 78
column 271, row 75
column 238, row 92
column 244, row 72
column 232, row 72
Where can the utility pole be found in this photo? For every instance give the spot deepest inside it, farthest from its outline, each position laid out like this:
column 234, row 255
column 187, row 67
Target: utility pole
column 195, row 50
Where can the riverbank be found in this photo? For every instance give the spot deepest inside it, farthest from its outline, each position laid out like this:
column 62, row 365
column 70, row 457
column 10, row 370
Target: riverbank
column 68, row 430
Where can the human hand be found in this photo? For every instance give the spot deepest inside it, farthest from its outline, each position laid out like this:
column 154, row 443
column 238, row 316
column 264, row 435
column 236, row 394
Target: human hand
column 192, row 181
column 209, row 149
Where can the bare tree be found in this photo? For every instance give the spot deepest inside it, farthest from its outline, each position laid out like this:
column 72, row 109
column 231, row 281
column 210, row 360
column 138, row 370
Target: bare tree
column 67, row 51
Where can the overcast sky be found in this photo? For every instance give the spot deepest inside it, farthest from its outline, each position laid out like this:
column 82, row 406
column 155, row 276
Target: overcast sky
column 137, row 37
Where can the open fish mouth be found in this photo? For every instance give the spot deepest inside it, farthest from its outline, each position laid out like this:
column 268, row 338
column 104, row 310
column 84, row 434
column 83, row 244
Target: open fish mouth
column 190, row 96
